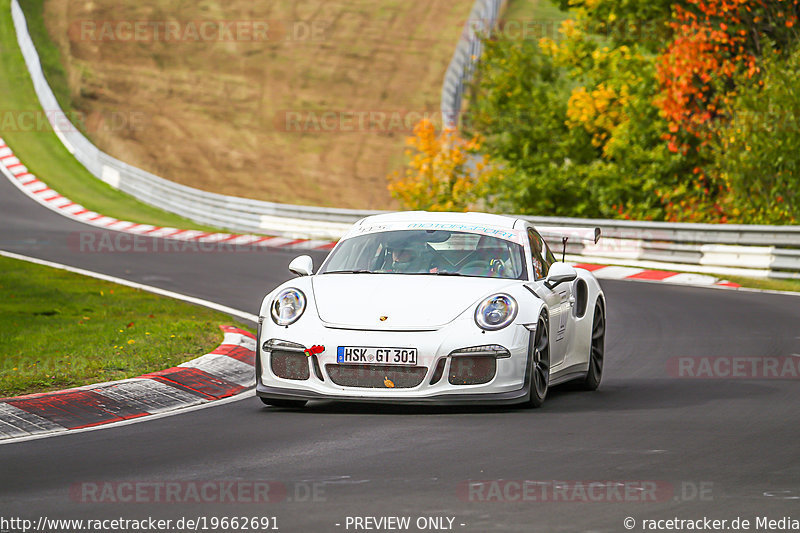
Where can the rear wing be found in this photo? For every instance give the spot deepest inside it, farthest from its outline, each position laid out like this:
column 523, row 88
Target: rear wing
column 565, row 233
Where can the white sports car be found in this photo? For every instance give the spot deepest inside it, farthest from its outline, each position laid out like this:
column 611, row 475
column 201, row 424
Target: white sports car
column 444, row 308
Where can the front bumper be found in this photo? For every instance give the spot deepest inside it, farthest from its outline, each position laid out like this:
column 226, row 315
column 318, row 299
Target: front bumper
column 491, row 398
column 509, row 385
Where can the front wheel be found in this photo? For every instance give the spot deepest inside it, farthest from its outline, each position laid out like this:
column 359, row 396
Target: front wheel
column 595, row 372
column 289, row 404
column 540, row 364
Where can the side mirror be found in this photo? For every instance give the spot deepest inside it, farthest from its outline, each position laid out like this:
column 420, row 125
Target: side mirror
column 302, row 266
column 559, row 273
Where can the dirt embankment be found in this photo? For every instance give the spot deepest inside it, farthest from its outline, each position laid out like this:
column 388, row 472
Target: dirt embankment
column 294, row 101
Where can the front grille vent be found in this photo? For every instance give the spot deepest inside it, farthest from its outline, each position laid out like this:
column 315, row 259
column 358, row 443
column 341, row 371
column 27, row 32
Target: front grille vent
column 376, row 376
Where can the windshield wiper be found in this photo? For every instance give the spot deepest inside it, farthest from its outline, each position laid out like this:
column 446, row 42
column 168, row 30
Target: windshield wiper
column 448, row 274
column 348, row 272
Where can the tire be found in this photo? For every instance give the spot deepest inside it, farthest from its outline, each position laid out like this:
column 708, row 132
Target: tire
column 597, row 351
column 540, row 364
column 289, row 404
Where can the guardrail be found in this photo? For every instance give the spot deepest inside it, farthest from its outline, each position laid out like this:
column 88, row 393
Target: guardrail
column 482, row 20
column 740, row 234
column 728, row 249
column 750, row 250
column 727, row 260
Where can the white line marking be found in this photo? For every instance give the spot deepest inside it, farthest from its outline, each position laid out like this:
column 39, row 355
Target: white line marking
column 149, row 288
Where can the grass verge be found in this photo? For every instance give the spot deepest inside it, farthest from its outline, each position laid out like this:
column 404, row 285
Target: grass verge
column 37, row 146
column 49, row 54
column 59, row 330
column 791, row 285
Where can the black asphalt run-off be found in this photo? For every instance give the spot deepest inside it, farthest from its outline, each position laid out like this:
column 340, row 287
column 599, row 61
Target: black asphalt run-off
column 720, row 448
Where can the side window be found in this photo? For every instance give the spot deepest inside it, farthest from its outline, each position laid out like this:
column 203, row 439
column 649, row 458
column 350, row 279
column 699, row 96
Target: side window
column 549, row 258
column 541, row 257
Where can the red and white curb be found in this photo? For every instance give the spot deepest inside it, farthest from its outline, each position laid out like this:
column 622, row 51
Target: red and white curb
column 643, row 274
column 28, row 183
column 223, row 373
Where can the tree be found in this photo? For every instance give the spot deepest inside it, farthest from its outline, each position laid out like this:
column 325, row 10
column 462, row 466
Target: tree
column 755, row 148
column 716, row 51
column 444, row 172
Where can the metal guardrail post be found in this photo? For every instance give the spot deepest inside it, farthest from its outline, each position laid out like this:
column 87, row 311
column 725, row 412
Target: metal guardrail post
column 483, row 18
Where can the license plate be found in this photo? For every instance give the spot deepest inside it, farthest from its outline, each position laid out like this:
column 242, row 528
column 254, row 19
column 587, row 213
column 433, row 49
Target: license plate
column 370, row 355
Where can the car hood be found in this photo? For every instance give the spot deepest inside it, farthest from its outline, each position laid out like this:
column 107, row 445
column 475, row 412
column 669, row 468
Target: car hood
column 409, row 302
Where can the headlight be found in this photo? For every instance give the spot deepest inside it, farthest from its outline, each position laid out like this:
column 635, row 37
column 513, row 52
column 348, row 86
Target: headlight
column 288, row 306
column 496, row 312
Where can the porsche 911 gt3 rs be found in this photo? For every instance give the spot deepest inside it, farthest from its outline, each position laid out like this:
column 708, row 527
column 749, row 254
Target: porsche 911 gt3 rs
column 444, row 308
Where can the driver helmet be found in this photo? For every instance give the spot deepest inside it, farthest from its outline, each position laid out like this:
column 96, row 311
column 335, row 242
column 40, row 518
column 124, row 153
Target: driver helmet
column 405, row 255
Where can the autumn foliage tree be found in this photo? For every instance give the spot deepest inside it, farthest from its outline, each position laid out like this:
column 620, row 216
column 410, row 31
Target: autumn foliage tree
column 755, row 147
column 678, row 110
column 718, row 45
column 573, row 122
column 444, row 173
column 714, row 41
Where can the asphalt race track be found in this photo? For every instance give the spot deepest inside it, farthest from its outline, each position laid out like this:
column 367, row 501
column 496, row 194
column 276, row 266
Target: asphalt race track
column 716, row 448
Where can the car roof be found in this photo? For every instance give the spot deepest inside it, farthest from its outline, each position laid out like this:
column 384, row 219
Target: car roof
column 500, row 221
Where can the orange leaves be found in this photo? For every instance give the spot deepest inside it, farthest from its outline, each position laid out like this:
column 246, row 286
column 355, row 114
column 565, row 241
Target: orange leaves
column 716, row 45
column 698, row 56
column 696, row 71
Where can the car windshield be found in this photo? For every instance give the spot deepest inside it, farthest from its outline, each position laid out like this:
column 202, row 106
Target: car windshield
column 438, row 252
